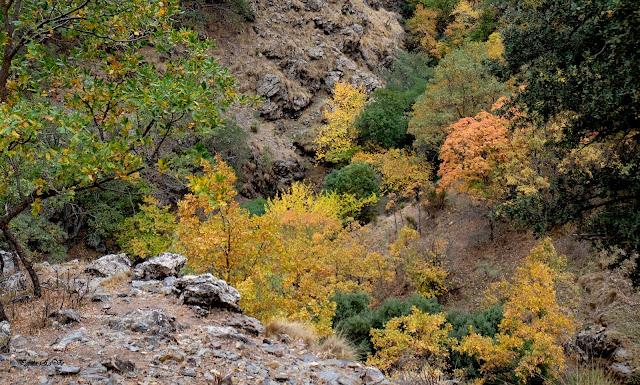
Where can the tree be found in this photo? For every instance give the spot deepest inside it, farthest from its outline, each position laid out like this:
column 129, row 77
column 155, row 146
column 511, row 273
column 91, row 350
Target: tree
column 359, row 180
column 73, row 120
column 461, row 87
column 401, row 172
column 383, row 122
column 336, row 141
column 534, row 326
column 587, row 70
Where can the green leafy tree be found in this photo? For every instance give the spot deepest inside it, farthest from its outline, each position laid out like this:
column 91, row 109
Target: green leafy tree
column 383, row 122
column 357, row 179
column 461, row 87
column 76, row 119
column 586, row 69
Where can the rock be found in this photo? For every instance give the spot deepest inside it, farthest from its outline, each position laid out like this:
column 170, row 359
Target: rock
column 150, row 321
column 188, row 372
column 5, row 336
column 109, row 265
column 16, row 283
column 225, row 332
column 372, row 375
column 66, row 316
column 8, row 262
column 67, row 370
column 269, row 86
column 160, row 267
column 315, row 53
column 95, row 373
column 248, row 324
column 621, row 370
column 595, row 341
column 207, row 292
column 121, row 366
column 79, row 335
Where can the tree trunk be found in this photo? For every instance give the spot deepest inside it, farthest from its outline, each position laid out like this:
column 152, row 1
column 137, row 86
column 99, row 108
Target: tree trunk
column 419, row 212
column 37, row 291
column 491, row 226
column 3, row 316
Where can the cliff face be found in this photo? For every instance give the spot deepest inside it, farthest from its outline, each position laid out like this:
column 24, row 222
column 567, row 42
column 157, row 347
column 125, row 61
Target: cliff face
column 292, row 55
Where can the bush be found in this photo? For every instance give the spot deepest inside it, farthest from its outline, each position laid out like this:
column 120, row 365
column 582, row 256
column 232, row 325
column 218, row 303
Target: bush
column 256, row 207
column 383, row 122
column 349, row 305
column 357, row 178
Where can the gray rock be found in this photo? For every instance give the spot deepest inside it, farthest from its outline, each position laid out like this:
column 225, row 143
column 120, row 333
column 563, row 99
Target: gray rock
column 67, row 370
column 109, row 265
column 372, row 375
column 595, row 341
column 160, row 267
column 225, row 332
column 207, row 292
column 150, row 321
column 66, row 316
column 621, row 370
column 15, row 283
column 315, row 53
column 122, row 366
column 5, row 336
column 79, row 335
column 270, row 85
column 7, row 257
column 247, row 324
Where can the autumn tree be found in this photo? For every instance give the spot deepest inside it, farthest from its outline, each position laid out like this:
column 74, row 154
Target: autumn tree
column 78, row 119
column 218, row 236
column 529, row 343
column 402, row 172
column 461, row 87
column 336, row 141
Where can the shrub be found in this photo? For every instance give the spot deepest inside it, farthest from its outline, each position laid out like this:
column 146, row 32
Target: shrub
column 349, row 305
column 357, row 179
column 257, row 206
column 383, row 122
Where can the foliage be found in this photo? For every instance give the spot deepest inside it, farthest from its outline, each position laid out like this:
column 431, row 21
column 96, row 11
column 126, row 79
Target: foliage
column 399, row 169
column 412, row 339
column 422, row 266
column 336, row 141
column 256, row 206
column 215, row 233
column 590, row 50
column 358, row 179
column 473, row 156
column 150, row 231
column 409, row 76
column 461, row 87
column 383, row 121
column 349, row 305
column 534, row 327
column 43, row 237
column 230, row 142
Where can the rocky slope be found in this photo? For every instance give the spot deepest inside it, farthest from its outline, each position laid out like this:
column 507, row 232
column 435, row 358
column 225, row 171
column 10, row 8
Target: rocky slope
column 292, row 55
column 147, row 326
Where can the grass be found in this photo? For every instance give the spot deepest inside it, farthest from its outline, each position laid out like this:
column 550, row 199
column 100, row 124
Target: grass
column 295, row 330
column 590, row 374
column 116, row 280
column 338, row 347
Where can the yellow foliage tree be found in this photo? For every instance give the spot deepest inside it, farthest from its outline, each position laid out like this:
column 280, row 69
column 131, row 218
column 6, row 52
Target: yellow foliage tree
column 534, row 326
column 423, row 29
column 412, row 340
column 217, row 235
column 465, row 19
column 422, row 266
column 336, row 141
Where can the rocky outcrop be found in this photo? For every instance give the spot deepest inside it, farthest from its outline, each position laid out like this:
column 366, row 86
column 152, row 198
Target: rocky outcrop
column 207, row 291
column 160, row 267
column 598, row 343
column 109, row 265
column 5, row 336
column 151, row 321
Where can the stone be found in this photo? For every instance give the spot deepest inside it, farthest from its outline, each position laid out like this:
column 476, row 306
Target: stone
column 160, row 267
column 79, row 335
column 247, row 324
column 595, row 341
column 225, row 332
column 372, row 375
column 66, row 316
column 207, row 292
column 621, row 370
column 150, row 321
column 7, row 257
column 269, row 86
column 121, row 366
column 67, row 370
column 15, row 283
column 5, row 336
column 109, row 265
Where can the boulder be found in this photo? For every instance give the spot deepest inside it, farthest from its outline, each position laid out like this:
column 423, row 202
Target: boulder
column 5, row 336
column 207, row 292
column 150, row 321
column 7, row 258
column 160, row 267
column 595, row 341
column 17, row 282
column 66, row 316
column 79, row 335
column 109, row 265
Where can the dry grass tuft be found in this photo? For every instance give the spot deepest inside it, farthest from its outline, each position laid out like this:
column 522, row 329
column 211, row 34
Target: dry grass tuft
column 116, row 280
column 586, row 375
column 295, row 330
column 338, row 347
column 428, row 375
